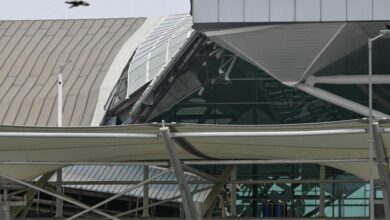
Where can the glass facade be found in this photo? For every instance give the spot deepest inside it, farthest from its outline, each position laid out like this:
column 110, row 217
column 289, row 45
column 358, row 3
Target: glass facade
column 295, row 188
column 253, row 97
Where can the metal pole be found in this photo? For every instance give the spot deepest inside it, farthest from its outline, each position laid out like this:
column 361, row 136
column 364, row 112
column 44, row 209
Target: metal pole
column 233, row 198
column 370, row 116
column 117, row 195
column 76, row 135
column 59, row 202
column 145, row 199
column 56, row 195
column 59, row 100
column 200, row 173
column 6, row 204
column 322, row 192
column 188, row 162
column 383, row 167
column 370, row 138
column 188, row 202
column 270, row 133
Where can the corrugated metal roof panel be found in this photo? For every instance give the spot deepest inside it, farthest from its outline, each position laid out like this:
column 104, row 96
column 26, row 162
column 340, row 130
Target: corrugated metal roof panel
column 31, row 53
column 128, row 173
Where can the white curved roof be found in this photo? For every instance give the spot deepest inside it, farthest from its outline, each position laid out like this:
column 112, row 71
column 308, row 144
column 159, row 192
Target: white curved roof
column 158, row 48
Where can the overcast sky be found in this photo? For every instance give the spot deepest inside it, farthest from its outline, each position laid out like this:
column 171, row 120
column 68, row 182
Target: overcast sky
column 57, row 9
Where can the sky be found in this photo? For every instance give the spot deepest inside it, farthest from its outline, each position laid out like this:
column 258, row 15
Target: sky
column 57, row 9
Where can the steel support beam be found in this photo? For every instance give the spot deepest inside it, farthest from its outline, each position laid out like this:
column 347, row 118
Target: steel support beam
column 5, row 206
column 187, row 162
column 199, row 173
column 72, row 201
column 270, row 133
column 160, row 202
column 233, row 188
column 209, row 202
column 145, row 198
column 31, row 193
column 77, row 135
column 383, row 167
column 188, row 202
column 117, row 196
column 347, row 80
column 173, row 182
column 321, row 212
column 340, row 101
column 59, row 202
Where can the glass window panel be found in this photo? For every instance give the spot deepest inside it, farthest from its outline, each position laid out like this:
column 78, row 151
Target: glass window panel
column 234, row 114
column 235, row 92
column 242, row 70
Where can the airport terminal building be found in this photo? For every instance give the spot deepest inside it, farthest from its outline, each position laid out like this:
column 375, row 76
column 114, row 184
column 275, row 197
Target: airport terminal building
column 240, row 109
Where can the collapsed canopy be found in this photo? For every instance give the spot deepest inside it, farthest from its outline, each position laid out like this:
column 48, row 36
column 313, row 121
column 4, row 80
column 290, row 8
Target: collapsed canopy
column 317, row 141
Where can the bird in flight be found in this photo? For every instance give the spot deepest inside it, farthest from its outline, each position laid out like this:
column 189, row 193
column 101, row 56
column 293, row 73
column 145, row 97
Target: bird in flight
column 77, row 3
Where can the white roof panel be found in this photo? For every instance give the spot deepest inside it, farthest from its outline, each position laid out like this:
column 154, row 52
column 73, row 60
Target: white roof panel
column 158, row 48
column 37, row 149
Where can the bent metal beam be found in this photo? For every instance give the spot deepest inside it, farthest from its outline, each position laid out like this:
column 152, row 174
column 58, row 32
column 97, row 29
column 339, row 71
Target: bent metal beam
column 340, row 101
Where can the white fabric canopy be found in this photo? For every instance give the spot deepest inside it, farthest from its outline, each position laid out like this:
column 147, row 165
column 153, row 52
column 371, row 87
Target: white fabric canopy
column 76, row 148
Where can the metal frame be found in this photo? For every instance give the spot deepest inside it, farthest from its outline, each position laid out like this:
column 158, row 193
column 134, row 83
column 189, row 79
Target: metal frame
column 59, row 202
column 383, row 167
column 186, row 162
column 190, row 209
column 145, row 198
column 341, row 102
column 347, row 80
column 178, row 166
column 371, row 116
column 160, row 202
column 54, row 194
column 117, row 196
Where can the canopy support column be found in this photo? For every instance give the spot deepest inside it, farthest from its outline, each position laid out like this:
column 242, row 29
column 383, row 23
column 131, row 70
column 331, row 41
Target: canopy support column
column 322, row 192
column 190, row 209
column 59, row 202
column 5, row 205
column 383, row 167
column 233, row 188
column 210, row 200
column 145, row 199
column 22, row 211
